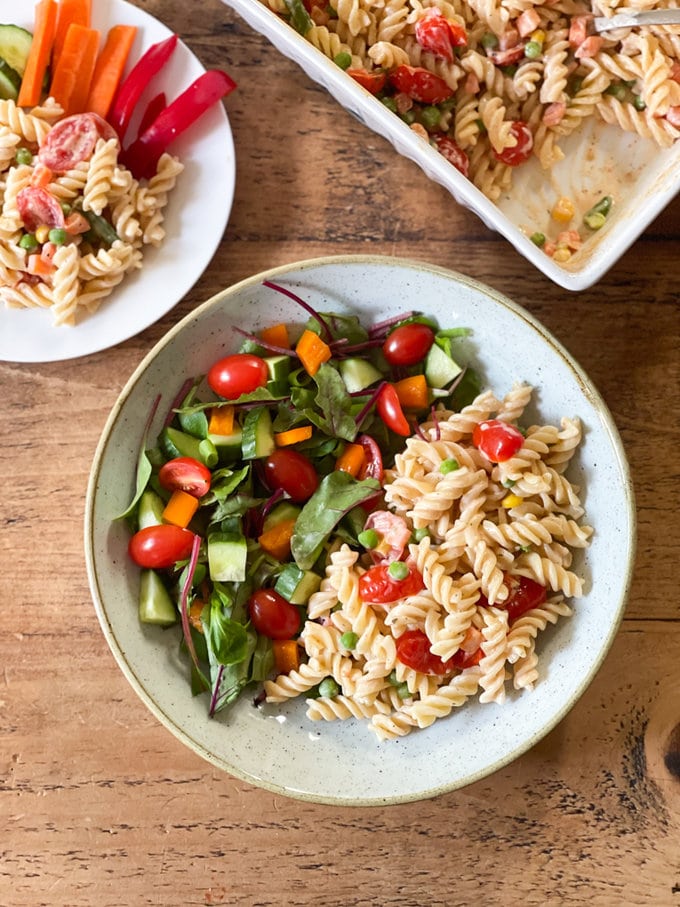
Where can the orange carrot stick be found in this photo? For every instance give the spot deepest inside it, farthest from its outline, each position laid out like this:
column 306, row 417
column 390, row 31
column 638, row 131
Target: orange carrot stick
column 109, row 68
column 44, row 28
column 71, row 79
column 71, row 12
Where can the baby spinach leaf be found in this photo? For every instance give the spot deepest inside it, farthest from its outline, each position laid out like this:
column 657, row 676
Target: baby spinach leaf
column 338, row 492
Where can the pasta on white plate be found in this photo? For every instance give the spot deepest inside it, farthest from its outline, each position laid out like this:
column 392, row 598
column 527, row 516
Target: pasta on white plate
column 109, row 218
column 491, row 545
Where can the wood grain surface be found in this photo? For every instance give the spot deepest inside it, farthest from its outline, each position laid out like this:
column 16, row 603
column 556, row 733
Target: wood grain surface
column 100, row 805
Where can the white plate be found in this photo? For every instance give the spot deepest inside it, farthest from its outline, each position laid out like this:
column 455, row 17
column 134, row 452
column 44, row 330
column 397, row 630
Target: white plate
column 599, row 160
column 278, row 748
column 196, row 217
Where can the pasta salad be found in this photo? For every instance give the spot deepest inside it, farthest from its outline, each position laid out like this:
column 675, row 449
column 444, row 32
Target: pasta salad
column 492, row 84
column 74, row 221
column 341, row 513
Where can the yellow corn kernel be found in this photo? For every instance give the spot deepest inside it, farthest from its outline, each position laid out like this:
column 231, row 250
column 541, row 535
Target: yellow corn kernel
column 511, row 500
column 42, row 233
column 563, row 210
column 538, row 36
column 562, row 254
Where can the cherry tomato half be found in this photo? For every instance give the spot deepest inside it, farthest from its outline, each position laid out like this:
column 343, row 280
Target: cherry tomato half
column 433, row 34
column 420, row 84
column 186, row 474
column 390, row 411
column 376, row 584
column 292, row 472
column 408, row 344
column 272, row 615
column 158, row 547
column 374, row 82
column 453, row 153
column 413, row 650
column 497, row 440
column 525, row 594
column 521, row 152
column 238, row 374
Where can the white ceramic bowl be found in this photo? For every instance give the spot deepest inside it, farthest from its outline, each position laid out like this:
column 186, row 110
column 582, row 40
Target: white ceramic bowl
column 599, row 160
column 278, row 748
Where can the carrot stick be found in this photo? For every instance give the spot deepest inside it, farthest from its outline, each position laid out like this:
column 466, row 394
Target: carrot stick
column 109, row 68
column 44, row 27
column 71, row 79
column 71, row 12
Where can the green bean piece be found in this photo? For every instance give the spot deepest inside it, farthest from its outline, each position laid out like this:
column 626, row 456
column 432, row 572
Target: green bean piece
column 595, row 221
column 101, row 228
column 403, row 691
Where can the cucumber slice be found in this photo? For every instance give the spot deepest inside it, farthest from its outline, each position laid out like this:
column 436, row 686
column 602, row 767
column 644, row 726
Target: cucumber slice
column 440, row 369
column 228, row 447
column 155, row 604
column 283, row 511
column 150, row 509
column 10, row 82
column 15, row 46
column 258, row 435
column 358, row 374
column 176, row 443
column 296, row 585
column 227, row 553
column 279, row 367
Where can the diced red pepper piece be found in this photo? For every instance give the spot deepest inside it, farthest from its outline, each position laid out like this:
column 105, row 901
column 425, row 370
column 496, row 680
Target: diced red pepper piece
column 141, row 158
column 127, row 96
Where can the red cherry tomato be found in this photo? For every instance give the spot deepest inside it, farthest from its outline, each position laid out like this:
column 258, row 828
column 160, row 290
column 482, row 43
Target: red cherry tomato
column 272, row 615
column 521, row 152
column 376, row 584
column 292, row 472
column 238, row 374
column 186, row 474
column 525, row 594
column 158, row 547
column 497, row 440
column 390, row 411
column 413, row 650
column 436, row 33
column 374, row 82
column 373, row 466
column 420, row 84
column 453, row 153
column 408, row 344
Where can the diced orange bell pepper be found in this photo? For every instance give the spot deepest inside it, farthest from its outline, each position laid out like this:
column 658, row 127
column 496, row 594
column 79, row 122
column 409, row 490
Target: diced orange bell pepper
column 351, row 460
column 180, row 508
column 221, row 420
column 276, row 541
column 413, row 392
column 293, row 436
column 276, row 335
column 312, row 351
column 286, row 655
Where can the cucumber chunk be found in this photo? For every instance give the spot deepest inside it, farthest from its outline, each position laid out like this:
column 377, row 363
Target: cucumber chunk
column 358, row 374
column 155, row 605
column 150, row 509
column 296, row 585
column 227, row 553
column 228, row 447
column 176, row 443
column 10, row 82
column 440, row 368
column 15, row 46
column 278, row 367
column 258, row 435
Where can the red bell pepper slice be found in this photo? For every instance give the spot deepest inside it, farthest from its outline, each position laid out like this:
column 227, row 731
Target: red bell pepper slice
column 158, row 103
column 127, row 96
column 141, row 158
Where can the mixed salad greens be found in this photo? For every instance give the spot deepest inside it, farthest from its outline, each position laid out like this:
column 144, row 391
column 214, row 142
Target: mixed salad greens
column 262, row 465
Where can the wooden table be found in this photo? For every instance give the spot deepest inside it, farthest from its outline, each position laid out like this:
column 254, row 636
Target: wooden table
column 100, row 805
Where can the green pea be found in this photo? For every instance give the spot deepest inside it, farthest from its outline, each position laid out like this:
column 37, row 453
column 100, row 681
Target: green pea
column 489, row 40
column 343, row 60
column 538, row 239
column 349, row 640
column 57, row 235
column 430, row 117
column 328, row 688
column 533, row 50
column 447, row 466
column 398, row 570
column 638, row 103
column 403, row 691
column 408, row 117
column 29, row 242
column 369, row 538
column 23, row 156
column 65, row 207
column 390, row 103
column 617, row 90
column 420, row 534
